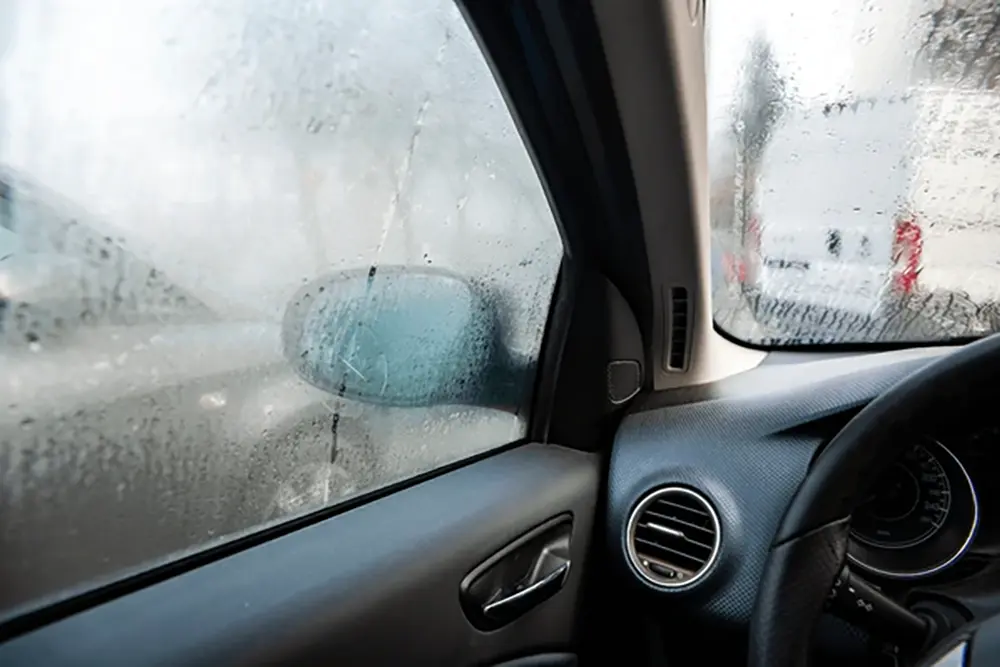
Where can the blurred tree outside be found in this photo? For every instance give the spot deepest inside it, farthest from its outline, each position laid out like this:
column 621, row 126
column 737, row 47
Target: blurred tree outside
column 961, row 43
column 757, row 109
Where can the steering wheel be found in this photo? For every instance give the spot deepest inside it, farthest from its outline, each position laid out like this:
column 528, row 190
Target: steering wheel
column 805, row 569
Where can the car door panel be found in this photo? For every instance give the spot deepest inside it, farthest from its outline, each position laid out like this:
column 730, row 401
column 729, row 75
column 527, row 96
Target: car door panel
column 378, row 584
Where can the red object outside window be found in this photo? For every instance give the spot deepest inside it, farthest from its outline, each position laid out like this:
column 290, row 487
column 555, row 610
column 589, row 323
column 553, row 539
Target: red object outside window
column 907, row 251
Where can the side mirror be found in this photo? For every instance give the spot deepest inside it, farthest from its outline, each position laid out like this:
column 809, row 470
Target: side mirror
column 403, row 336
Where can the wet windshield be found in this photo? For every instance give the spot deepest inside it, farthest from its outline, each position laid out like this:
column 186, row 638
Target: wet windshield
column 853, row 153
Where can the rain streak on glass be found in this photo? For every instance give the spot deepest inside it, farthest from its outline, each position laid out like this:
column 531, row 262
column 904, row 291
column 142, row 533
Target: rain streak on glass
column 853, row 151
column 172, row 174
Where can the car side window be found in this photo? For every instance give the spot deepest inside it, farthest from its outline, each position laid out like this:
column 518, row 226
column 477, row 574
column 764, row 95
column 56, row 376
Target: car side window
column 255, row 258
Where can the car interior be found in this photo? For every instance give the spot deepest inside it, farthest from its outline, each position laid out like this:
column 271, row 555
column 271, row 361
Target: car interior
column 680, row 497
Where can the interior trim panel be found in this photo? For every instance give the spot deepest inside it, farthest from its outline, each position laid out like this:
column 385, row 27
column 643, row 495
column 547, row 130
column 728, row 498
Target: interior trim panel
column 378, row 584
column 737, row 441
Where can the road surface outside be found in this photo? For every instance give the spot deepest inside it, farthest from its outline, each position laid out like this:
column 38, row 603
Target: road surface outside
column 173, row 171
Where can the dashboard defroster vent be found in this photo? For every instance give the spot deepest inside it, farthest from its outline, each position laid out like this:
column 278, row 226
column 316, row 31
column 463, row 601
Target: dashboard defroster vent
column 673, row 537
column 678, row 329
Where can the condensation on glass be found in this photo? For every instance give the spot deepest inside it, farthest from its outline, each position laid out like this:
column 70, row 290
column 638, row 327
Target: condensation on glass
column 171, row 173
column 854, row 147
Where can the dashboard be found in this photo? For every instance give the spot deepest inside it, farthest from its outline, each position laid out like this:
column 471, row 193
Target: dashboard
column 745, row 444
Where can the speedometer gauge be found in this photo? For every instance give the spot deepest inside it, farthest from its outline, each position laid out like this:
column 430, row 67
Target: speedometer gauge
column 919, row 517
column 908, row 505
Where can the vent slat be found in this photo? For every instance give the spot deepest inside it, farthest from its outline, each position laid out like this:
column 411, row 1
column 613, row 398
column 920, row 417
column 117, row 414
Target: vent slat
column 678, row 505
column 686, row 524
column 698, row 562
column 674, row 537
column 684, row 539
column 679, row 542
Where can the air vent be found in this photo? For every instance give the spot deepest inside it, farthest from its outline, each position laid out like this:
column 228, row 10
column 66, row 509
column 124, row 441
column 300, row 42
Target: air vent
column 673, row 537
column 677, row 344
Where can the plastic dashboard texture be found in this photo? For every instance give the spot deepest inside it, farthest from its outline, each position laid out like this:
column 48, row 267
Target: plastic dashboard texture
column 737, row 441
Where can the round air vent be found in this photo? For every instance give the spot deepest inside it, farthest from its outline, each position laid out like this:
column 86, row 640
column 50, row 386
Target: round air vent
column 673, row 537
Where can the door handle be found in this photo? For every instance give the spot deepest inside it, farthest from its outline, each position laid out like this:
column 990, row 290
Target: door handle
column 514, row 605
column 518, row 577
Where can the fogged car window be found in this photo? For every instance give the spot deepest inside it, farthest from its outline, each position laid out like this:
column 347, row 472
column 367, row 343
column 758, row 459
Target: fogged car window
column 854, row 147
column 173, row 175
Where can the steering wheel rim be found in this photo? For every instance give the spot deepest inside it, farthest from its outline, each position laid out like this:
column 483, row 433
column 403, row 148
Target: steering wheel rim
column 810, row 545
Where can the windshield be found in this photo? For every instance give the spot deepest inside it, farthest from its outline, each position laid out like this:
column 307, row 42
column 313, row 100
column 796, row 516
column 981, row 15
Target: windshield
column 853, row 150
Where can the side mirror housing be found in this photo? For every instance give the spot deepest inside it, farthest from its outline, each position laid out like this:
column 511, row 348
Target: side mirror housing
column 402, row 336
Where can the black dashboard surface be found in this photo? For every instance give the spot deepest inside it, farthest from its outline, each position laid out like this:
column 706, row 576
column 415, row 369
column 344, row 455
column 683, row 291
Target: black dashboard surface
column 746, row 443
